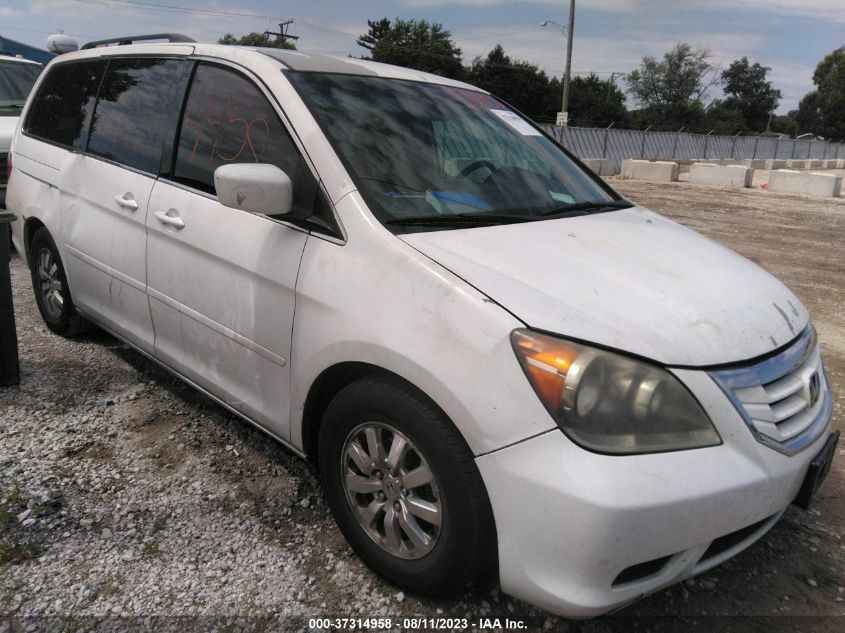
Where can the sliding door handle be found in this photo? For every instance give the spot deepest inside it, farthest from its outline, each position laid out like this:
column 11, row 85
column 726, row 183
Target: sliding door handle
column 127, row 201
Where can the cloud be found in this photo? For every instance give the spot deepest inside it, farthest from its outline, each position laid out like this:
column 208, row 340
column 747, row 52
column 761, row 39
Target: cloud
column 601, row 5
column 9, row 12
column 794, row 81
column 829, row 10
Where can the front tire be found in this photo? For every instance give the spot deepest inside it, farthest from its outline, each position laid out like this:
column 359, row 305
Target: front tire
column 403, row 487
column 49, row 283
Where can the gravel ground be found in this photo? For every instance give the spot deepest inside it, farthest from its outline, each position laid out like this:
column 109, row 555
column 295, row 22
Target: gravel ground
column 129, row 500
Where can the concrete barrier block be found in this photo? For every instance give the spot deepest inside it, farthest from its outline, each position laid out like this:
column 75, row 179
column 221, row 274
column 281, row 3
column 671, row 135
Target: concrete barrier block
column 655, row 171
column 738, row 176
column 830, row 163
column 840, row 163
column 815, row 164
column 628, row 168
column 796, row 164
column 601, row 166
column 808, row 184
column 775, row 164
column 754, row 163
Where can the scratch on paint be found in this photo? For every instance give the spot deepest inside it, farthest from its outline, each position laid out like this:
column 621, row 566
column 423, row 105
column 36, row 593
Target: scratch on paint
column 785, row 318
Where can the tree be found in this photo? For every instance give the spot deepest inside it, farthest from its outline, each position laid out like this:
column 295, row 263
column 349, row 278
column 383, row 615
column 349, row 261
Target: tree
column 521, row 84
column 418, row 44
column 256, row 39
column 749, row 93
column 596, row 101
column 786, row 123
column 671, row 92
column 822, row 111
column 724, row 118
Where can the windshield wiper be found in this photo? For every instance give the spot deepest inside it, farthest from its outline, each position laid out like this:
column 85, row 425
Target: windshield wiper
column 460, row 218
column 592, row 205
column 504, row 218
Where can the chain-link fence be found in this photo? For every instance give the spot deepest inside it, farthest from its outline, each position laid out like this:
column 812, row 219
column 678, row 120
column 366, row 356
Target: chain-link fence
column 620, row 144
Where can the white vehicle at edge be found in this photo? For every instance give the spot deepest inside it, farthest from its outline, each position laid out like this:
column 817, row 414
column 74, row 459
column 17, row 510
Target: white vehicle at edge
column 16, row 79
column 498, row 363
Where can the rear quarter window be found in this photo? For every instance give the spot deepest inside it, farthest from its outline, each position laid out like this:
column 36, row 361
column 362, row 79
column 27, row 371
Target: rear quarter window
column 65, row 101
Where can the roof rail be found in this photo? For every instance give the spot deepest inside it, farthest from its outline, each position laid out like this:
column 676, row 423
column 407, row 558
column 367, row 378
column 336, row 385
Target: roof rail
column 131, row 39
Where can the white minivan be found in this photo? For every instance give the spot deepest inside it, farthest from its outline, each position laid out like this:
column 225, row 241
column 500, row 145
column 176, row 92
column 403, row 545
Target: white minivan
column 498, row 364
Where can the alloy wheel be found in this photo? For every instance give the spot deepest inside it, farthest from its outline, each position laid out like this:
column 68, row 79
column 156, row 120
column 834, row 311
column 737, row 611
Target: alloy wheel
column 392, row 490
column 50, row 283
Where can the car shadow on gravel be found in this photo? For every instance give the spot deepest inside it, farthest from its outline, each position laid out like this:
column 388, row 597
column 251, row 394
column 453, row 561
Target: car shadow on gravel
column 265, row 450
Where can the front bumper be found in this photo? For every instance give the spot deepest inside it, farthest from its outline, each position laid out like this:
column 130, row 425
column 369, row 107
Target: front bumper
column 581, row 534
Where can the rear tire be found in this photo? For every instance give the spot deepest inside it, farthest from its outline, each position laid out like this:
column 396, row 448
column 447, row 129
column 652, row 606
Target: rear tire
column 49, row 283
column 404, row 488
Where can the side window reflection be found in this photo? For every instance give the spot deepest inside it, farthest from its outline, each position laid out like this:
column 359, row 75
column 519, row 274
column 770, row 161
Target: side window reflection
column 137, row 111
column 228, row 120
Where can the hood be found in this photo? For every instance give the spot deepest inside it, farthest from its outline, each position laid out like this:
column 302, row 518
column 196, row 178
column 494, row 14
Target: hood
column 629, row 280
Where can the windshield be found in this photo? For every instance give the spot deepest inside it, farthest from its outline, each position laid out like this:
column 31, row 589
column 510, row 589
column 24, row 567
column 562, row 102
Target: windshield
column 420, row 151
column 16, row 80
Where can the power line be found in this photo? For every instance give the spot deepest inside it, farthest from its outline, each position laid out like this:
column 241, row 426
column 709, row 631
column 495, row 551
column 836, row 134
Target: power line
column 492, row 35
column 152, row 6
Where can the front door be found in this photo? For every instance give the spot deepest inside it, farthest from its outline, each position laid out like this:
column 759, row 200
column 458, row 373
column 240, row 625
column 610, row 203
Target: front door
column 222, row 281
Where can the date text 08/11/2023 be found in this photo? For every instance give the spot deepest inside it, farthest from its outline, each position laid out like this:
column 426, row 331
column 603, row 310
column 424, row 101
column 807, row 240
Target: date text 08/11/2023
column 416, row 624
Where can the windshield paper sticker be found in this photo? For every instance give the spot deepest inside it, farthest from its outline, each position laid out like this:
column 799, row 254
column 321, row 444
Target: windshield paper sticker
column 512, row 119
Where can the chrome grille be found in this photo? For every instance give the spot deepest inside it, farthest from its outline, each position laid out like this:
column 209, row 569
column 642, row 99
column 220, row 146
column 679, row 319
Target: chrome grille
column 784, row 400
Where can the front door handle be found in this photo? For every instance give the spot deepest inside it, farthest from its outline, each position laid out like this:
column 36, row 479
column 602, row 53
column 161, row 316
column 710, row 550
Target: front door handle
column 127, row 201
column 170, row 218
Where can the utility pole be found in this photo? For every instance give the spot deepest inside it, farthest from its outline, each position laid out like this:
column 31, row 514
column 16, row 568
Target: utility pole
column 568, row 73
column 283, row 32
column 563, row 115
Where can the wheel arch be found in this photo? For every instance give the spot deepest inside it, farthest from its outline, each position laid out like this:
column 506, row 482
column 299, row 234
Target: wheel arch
column 30, row 228
column 325, row 387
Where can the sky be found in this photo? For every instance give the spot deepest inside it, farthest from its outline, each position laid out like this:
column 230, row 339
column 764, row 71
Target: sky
column 610, row 36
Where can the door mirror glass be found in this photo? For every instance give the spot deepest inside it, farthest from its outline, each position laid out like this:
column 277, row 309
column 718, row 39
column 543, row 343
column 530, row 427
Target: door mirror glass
column 254, row 187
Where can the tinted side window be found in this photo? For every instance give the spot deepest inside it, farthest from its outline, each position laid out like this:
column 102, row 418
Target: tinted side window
column 228, row 120
column 137, row 111
column 64, row 103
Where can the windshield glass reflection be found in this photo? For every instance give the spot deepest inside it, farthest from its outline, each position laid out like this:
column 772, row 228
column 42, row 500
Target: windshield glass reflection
column 418, row 150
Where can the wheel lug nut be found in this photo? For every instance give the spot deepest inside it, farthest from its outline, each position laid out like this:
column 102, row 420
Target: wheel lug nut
column 381, row 496
column 403, row 492
column 397, row 506
column 378, row 474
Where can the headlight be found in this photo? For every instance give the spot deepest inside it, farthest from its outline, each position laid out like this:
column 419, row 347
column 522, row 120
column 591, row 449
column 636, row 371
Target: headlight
column 610, row 403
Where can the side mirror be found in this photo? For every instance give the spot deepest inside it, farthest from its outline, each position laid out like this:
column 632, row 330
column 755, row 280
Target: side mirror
column 254, row 187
